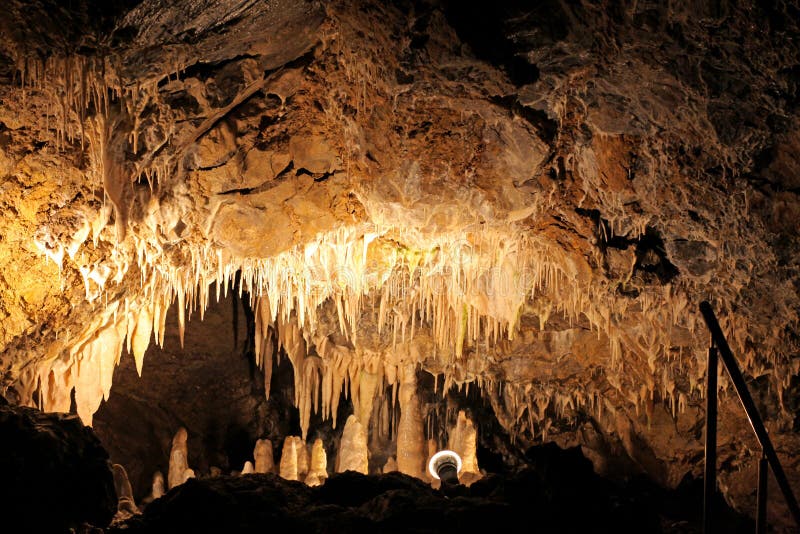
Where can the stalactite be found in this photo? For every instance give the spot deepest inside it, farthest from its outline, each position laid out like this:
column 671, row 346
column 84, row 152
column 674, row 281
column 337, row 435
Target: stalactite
column 56, row 385
column 368, row 386
column 141, row 337
column 432, row 448
column 465, row 292
column 88, row 390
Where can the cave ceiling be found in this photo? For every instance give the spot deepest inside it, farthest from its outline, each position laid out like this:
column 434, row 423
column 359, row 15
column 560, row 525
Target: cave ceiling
column 532, row 199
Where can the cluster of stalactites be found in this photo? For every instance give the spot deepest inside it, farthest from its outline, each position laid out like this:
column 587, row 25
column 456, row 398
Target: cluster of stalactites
column 75, row 85
column 71, row 85
column 414, row 297
column 88, row 364
column 530, row 410
column 464, row 292
column 459, row 295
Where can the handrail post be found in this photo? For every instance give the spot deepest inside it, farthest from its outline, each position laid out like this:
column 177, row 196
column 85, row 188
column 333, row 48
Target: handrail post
column 761, row 514
column 710, row 480
column 750, row 409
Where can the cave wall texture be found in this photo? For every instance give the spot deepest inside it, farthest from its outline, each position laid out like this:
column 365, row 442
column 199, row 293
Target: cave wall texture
column 530, row 197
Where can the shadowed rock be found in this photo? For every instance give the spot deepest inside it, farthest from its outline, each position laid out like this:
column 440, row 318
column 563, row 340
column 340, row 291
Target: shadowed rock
column 56, row 474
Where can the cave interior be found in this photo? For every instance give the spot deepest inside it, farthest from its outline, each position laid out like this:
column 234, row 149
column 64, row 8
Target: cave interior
column 262, row 260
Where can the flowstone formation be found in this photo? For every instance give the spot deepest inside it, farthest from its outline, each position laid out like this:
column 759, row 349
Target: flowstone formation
column 526, row 200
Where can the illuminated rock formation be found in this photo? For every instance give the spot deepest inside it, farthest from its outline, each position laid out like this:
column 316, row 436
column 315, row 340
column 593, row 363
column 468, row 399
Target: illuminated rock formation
column 187, row 474
column 264, row 462
column 158, row 488
column 410, row 431
column 126, row 504
column 289, row 454
column 302, row 457
column 463, row 440
column 529, row 207
column 178, row 459
column 318, row 469
column 370, row 377
column 353, row 453
column 248, row 468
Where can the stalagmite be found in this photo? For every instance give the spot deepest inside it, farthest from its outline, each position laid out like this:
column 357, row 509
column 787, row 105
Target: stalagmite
column 464, row 441
column 187, row 474
column 288, row 465
column 390, row 465
column 178, row 458
column 264, row 462
column 410, row 430
column 158, row 485
column 318, row 470
column 353, row 452
column 125, row 501
column 302, row 457
column 248, row 468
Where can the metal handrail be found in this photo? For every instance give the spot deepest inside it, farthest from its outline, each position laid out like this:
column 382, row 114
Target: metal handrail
column 720, row 344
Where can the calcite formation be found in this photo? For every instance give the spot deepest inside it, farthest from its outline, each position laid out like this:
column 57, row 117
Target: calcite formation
column 178, row 459
column 302, row 457
column 410, row 430
column 158, row 489
column 126, row 504
column 289, row 466
column 463, row 440
column 264, row 462
column 248, row 468
column 318, row 467
column 529, row 201
column 187, row 474
column 353, row 454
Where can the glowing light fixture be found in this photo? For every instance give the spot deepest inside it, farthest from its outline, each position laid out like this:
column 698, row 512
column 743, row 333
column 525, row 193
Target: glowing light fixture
column 445, row 466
